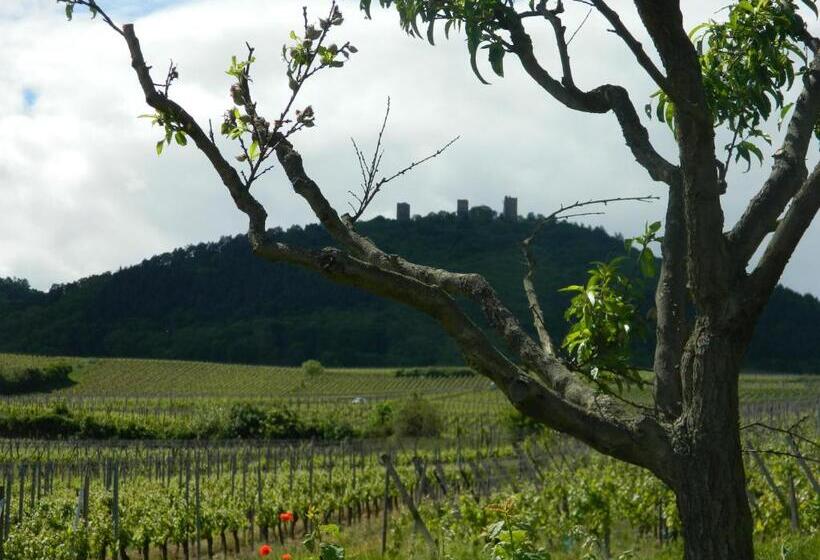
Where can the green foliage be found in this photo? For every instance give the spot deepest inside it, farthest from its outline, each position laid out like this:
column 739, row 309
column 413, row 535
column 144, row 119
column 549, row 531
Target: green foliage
column 20, row 380
column 481, row 20
column 247, row 421
column 315, row 541
column 313, row 368
column 174, row 131
column 418, row 417
column 748, row 63
column 381, row 420
column 604, row 318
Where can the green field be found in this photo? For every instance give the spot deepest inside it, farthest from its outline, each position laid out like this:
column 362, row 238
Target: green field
column 116, row 378
column 132, row 378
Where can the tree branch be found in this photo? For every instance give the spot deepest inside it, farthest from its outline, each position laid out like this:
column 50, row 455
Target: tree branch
column 788, row 172
column 709, row 279
column 639, row 440
column 670, row 305
column 532, row 294
column 230, row 178
column 634, row 45
column 600, row 100
column 788, row 234
column 370, row 186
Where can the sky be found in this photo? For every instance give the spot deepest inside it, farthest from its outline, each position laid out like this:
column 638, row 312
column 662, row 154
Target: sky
column 82, row 190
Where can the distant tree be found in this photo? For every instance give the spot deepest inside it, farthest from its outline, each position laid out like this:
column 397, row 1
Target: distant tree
column 733, row 74
column 313, row 367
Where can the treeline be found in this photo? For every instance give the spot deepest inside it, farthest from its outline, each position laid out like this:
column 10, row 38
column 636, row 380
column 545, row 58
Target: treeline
column 216, row 302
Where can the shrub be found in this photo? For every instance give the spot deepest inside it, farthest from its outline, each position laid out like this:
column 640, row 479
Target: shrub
column 30, row 380
column 246, row 421
column 313, row 367
column 381, row 420
column 418, row 418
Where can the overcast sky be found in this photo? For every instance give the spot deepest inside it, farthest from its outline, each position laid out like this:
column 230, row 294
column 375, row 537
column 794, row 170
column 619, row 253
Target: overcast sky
column 82, row 190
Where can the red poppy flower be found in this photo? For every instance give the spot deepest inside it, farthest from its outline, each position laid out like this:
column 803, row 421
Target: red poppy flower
column 264, row 550
column 287, row 556
column 286, row 516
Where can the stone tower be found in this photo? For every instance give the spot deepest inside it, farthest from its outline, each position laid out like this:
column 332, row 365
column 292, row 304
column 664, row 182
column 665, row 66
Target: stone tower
column 510, row 209
column 463, row 209
column 403, row 212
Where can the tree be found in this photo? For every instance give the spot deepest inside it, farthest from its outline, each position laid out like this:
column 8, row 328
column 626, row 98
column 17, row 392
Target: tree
column 731, row 74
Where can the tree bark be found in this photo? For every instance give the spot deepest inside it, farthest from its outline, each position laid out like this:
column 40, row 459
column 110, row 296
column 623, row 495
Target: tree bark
column 712, row 503
column 710, row 480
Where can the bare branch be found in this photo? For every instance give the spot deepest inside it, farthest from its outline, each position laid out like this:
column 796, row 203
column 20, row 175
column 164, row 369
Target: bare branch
column 532, row 294
column 787, row 431
column 780, row 453
column 370, row 187
column 634, row 45
column 580, row 26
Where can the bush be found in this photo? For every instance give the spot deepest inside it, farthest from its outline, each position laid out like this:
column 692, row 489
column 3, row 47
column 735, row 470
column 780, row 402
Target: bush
column 313, row 367
column 246, row 421
column 381, row 420
column 418, row 418
column 31, row 380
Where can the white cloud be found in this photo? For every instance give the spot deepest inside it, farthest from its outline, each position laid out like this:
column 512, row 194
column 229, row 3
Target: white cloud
column 82, row 191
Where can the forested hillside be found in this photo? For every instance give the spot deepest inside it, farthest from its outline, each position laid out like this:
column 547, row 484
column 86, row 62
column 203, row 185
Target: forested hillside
column 215, row 301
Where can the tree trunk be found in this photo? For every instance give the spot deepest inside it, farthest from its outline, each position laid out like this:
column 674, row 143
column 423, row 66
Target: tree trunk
column 714, row 509
column 710, row 480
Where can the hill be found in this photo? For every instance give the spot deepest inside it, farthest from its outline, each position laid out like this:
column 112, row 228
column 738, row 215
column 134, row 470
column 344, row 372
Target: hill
column 216, row 302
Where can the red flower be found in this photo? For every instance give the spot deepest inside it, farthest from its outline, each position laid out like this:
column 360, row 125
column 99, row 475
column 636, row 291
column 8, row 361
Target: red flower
column 287, row 556
column 264, row 550
column 286, row 516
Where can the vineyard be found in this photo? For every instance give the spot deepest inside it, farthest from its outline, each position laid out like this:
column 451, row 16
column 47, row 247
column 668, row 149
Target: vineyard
column 185, row 460
column 86, row 500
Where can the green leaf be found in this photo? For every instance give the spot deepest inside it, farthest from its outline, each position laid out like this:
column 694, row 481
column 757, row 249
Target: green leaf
column 331, row 552
column 253, row 152
column 647, row 263
column 365, row 5
column 497, row 53
column 180, row 138
column 473, row 40
column 69, row 11
column 160, row 146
